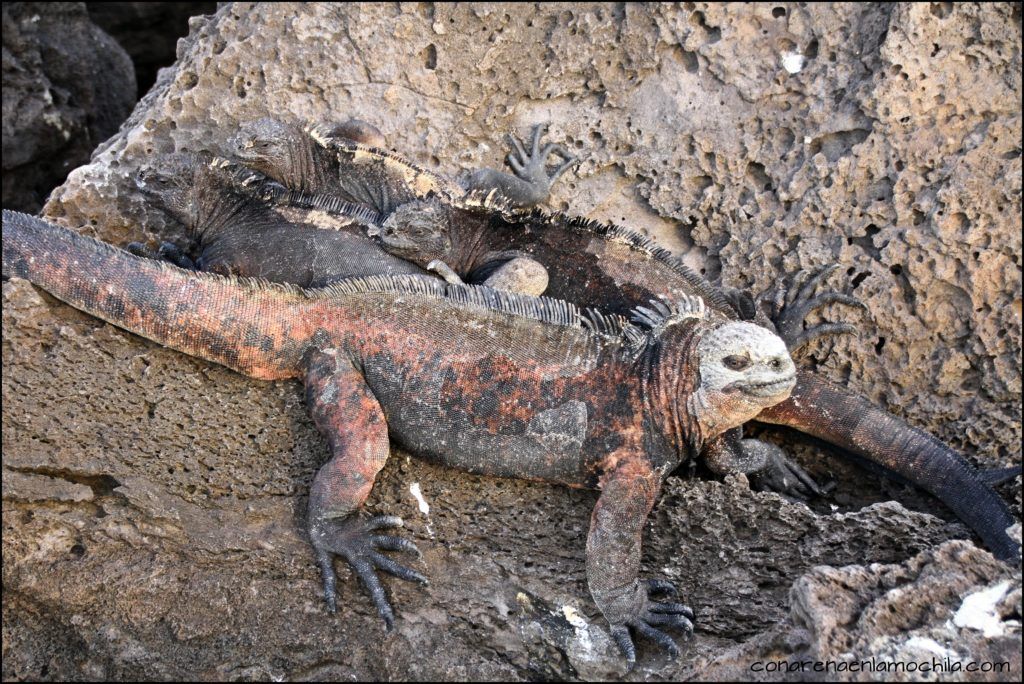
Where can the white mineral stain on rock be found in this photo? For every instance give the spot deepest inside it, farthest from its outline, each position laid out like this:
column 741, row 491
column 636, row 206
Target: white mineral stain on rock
column 918, row 643
column 792, row 62
column 574, row 617
column 978, row 611
column 582, row 629
column 424, row 506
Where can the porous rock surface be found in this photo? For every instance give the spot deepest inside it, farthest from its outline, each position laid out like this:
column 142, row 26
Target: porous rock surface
column 67, row 86
column 154, row 504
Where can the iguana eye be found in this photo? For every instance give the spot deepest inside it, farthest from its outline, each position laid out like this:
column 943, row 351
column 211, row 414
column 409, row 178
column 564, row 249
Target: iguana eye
column 736, row 362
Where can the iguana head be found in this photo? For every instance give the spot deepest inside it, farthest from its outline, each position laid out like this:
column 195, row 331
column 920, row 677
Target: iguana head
column 266, row 145
column 743, row 369
column 710, row 375
column 417, row 231
column 170, row 184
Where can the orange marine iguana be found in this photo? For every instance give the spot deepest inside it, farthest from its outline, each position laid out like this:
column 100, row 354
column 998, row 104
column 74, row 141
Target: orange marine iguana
column 492, row 382
column 424, row 218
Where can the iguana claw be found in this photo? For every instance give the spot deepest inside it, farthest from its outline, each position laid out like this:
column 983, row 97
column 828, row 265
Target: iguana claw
column 652, row 615
column 351, row 539
column 784, row 476
column 790, row 307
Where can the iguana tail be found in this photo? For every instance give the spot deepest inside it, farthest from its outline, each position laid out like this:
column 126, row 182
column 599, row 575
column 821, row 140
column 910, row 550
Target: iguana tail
column 825, row 411
column 248, row 326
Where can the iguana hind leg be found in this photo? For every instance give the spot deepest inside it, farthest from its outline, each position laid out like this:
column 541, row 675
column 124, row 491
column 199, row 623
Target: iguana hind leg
column 791, row 305
column 532, row 181
column 347, row 413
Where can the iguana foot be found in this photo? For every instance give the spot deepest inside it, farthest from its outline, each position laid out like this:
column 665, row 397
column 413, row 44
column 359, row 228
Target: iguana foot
column 354, row 540
column 651, row 618
column 781, row 474
column 533, row 179
column 532, row 167
column 445, row 271
column 168, row 252
column 790, row 306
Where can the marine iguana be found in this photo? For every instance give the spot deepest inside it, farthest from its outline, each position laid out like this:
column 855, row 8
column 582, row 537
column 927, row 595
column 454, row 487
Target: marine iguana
column 318, row 160
column 492, row 382
column 223, row 208
column 615, row 269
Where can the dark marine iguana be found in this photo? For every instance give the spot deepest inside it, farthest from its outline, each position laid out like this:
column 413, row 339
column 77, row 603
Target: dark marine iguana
column 615, row 269
column 492, row 382
column 322, row 161
column 225, row 211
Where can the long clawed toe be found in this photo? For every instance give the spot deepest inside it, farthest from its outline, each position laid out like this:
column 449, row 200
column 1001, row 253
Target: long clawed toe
column 353, row 539
column 791, row 306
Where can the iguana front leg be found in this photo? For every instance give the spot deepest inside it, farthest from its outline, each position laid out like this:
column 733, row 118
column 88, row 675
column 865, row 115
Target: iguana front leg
column 532, row 181
column 348, row 415
column 790, row 306
column 168, row 251
column 767, row 466
column 613, row 562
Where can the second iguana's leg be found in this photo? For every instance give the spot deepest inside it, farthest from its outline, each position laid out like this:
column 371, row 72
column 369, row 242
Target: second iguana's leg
column 766, row 465
column 168, row 251
column 348, row 415
column 532, row 181
column 613, row 563
column 791, row 305
column 445, row 271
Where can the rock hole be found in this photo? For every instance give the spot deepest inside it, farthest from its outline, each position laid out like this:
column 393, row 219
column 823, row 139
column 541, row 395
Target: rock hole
column 858, row 279
column 879, row 345
column 941, row 9
column 429, row 56
column 78, row 550
column 690, row 62
column 812, row 49
column 896, row 269
column 778, row 12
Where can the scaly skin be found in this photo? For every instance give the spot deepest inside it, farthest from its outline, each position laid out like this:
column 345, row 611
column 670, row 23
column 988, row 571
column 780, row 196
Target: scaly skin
column 490, row 382
column 323, row 162
column 612, row 268
column 223, row 210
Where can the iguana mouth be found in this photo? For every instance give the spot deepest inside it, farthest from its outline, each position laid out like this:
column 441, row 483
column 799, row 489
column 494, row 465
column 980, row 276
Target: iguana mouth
column 767, row 389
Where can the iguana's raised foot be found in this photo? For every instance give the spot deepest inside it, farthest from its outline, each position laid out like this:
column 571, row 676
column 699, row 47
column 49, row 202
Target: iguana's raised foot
column 353, row 539
column 533, row 179
column 651, row 616
column 791, row 305
column 168, row 251
column 782, row 475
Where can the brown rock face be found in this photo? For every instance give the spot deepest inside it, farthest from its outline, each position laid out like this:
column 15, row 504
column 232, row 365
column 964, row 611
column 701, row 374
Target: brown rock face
column 154, row 504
